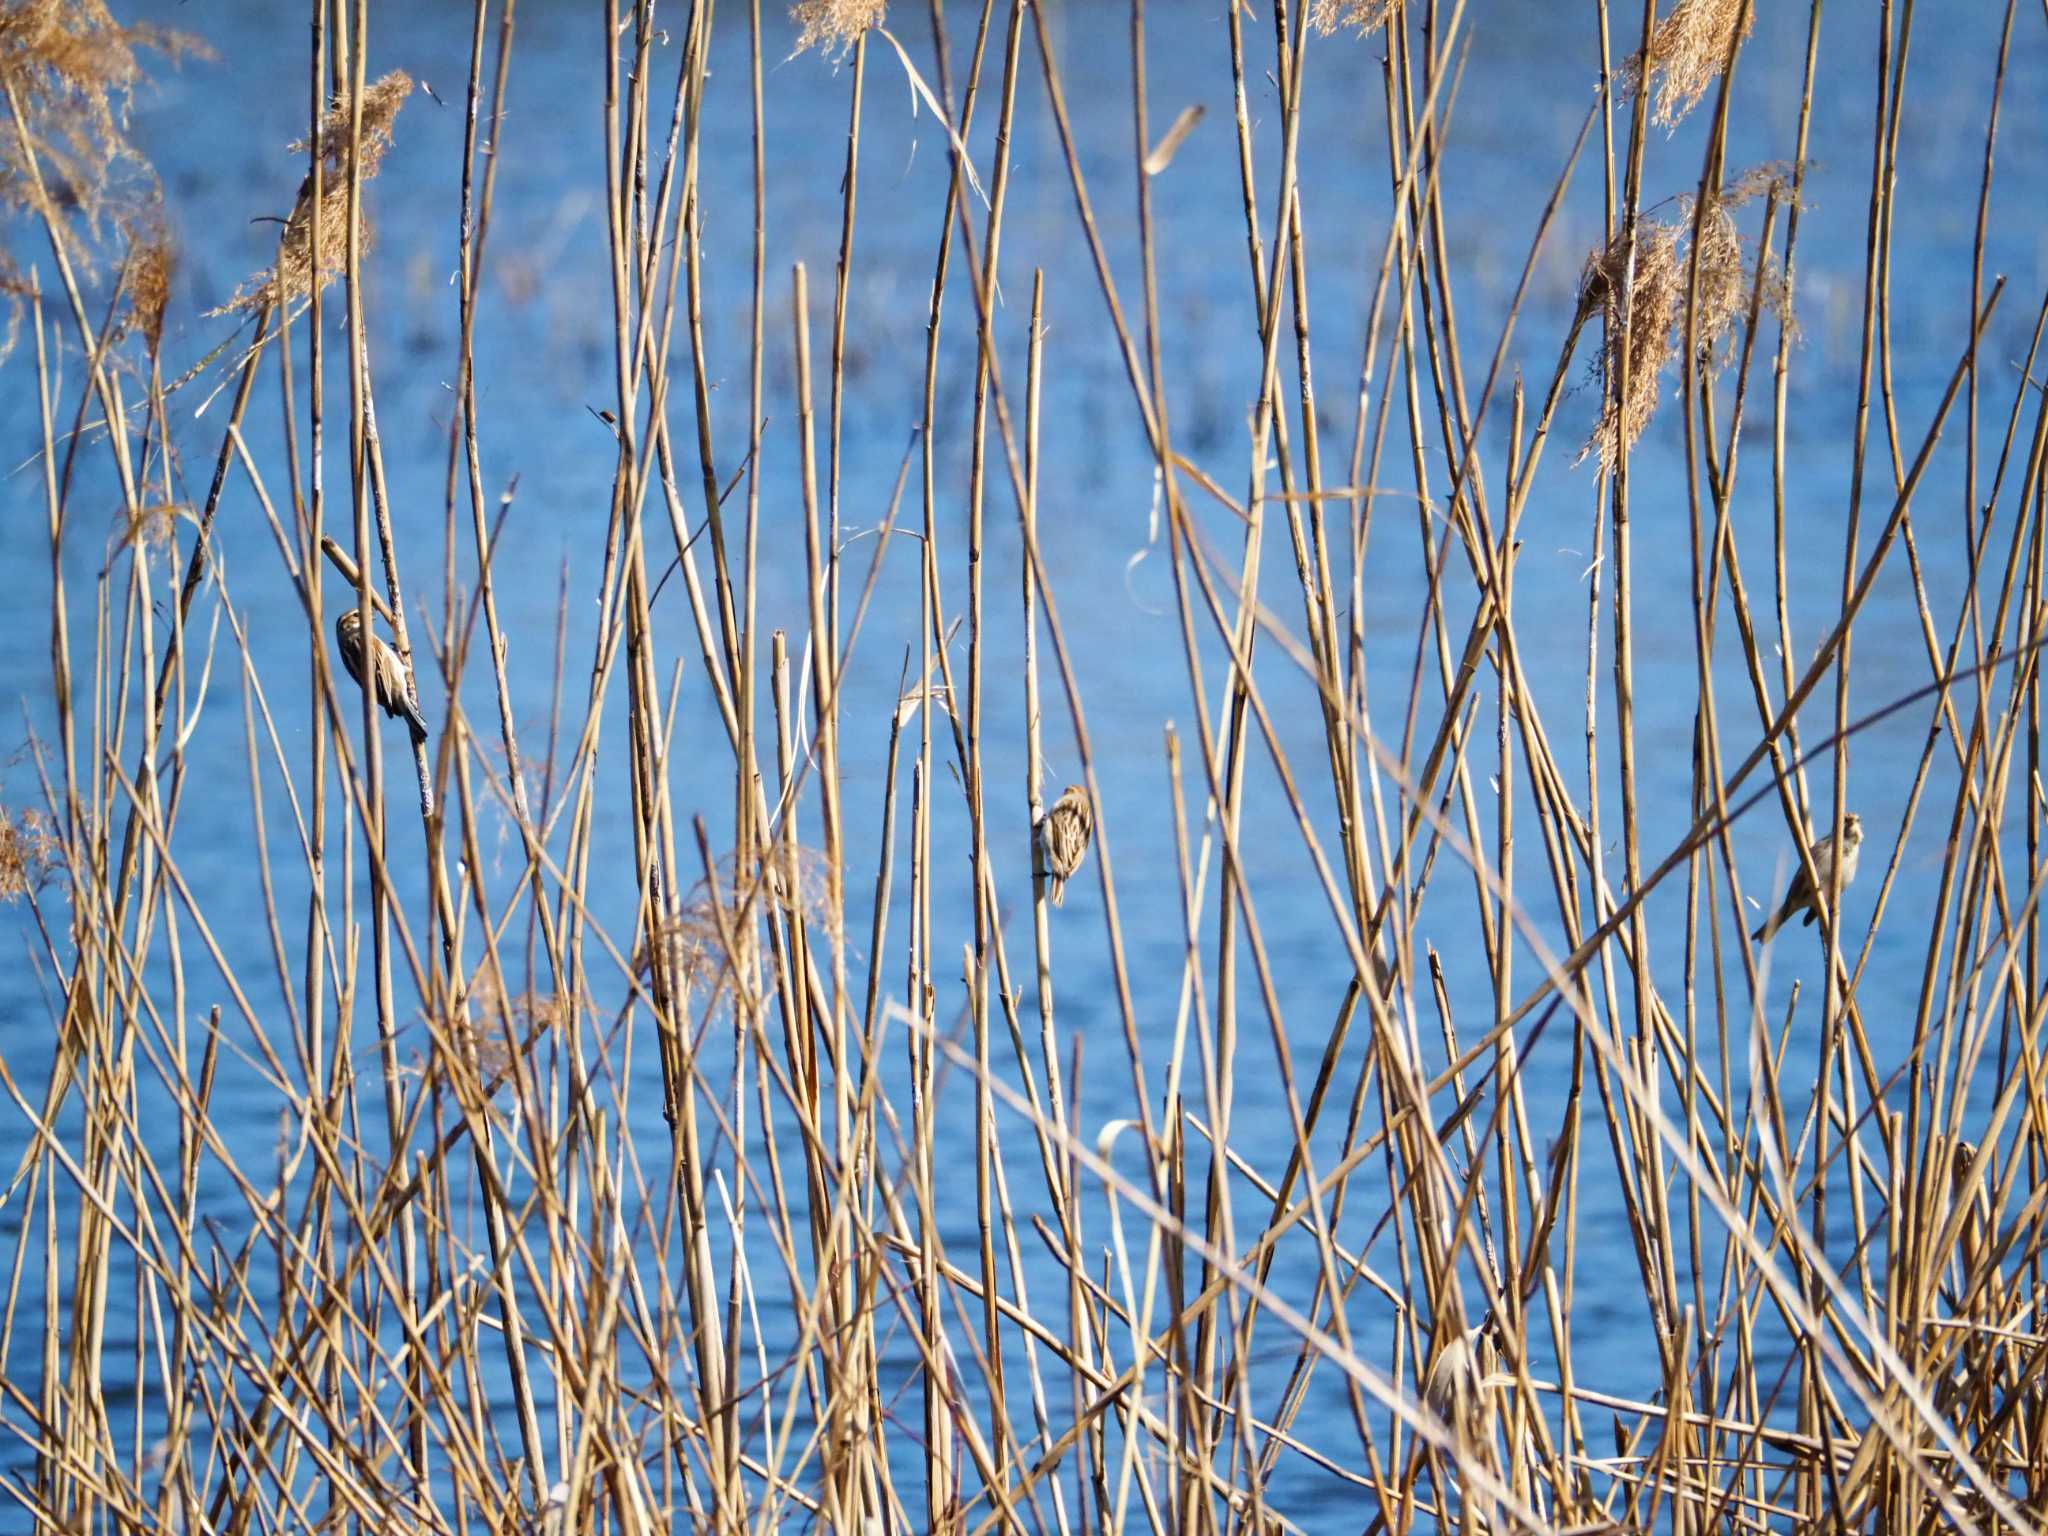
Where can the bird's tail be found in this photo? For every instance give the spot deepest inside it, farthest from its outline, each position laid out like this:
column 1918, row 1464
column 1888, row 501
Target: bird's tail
column 417, row 722
column 1058, row 890
column 1772, row 924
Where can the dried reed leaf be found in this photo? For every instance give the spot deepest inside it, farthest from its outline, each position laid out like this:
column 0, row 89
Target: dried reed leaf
column 1162, row 155
column 15, row 292
column 920, row 91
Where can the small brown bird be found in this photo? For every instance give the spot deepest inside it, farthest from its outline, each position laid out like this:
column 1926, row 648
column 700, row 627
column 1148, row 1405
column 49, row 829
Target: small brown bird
column 1802, row 896
column 392, row 696
column 1463, row 1374
column 1063, row 834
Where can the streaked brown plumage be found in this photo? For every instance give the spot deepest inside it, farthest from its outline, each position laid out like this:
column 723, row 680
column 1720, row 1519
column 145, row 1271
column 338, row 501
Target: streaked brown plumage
column 1461, row 1376
column 1802, row 896
column 1063, row 835
column 392, row 696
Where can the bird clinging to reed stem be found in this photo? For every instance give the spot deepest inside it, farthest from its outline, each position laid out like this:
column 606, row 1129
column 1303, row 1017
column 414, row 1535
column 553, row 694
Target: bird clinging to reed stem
column 1063, row 834
column 1462, row 1376
column 392, row 695
column 1802, row 896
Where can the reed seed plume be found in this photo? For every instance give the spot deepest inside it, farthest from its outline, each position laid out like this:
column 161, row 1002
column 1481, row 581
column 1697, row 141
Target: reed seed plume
column 1730, row 268
column 299, row 266
column 153, row 262
column 29, row 851
column 1648, row 308
column 1367, row 16
column 337, row 142
column 71, row 71
column 477, row 1041
column 1775, row 182
column 1688, row 50
column 698, row 946
column 1640, row 307
column 491, row 1028
column 1722, row 290
column 152, row 525
column 835, row 24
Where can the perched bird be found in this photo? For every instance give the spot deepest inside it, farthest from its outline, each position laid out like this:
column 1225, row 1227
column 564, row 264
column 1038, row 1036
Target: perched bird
column 1461, row 1374
column 1063, row 834
column 1802, row 897
column 392, row 696
column 554, row 1513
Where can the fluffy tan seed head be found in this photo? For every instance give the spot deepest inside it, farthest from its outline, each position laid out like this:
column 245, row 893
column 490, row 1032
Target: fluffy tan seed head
column 834, row 24
column 69, row 70
column 149, row 283
column 299, row 265
column 29, row 849
column 1687, row 52
column 1644, row 309
column 1367, row 16
column 1640, row 308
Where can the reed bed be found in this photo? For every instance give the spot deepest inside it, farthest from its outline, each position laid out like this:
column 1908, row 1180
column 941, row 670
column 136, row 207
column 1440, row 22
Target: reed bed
column 739, row 1214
